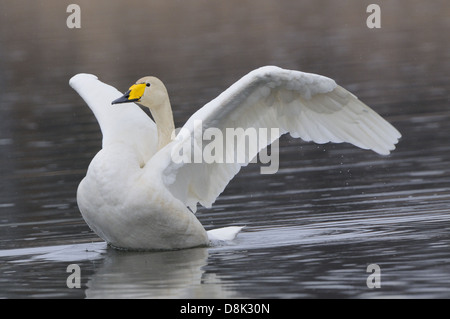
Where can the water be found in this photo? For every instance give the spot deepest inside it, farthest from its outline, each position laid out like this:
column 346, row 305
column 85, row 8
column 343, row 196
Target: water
column 312, row 229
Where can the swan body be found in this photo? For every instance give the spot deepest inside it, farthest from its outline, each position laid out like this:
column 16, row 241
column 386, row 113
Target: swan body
column 135, row 196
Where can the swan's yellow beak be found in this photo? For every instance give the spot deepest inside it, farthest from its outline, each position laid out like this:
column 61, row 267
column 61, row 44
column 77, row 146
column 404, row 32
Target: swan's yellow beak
column 134, row 94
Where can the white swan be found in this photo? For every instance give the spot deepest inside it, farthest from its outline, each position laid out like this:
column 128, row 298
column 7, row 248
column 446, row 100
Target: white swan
column 135, row 196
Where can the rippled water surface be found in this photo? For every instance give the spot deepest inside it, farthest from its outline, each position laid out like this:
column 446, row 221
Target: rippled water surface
column 311, row 229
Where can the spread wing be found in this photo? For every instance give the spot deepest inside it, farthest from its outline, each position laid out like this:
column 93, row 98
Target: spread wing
column 308, row 106
column 126, row 124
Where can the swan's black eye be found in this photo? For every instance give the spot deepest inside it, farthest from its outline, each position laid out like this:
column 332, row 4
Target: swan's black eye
column 148, row 84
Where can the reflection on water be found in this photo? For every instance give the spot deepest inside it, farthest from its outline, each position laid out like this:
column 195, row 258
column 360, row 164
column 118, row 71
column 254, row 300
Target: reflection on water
column 140, row 275
column 312, row 228
column 322, row 259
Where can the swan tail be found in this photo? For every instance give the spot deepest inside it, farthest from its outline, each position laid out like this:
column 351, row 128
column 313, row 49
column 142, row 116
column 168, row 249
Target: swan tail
column 224, row 234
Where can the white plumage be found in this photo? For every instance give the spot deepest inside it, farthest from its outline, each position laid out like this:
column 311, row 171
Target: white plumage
column 134, row 195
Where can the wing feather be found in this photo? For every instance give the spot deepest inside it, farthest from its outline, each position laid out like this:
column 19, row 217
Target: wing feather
column 126, row 124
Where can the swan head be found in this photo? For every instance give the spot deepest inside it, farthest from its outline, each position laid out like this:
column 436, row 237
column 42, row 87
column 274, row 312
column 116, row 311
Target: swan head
column 148, row 91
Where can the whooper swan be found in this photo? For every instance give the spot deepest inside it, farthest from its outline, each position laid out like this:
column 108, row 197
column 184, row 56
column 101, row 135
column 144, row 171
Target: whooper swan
column 136, row 196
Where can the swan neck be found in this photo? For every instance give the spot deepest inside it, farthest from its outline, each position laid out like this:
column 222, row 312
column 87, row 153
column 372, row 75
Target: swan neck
column 164, row 122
